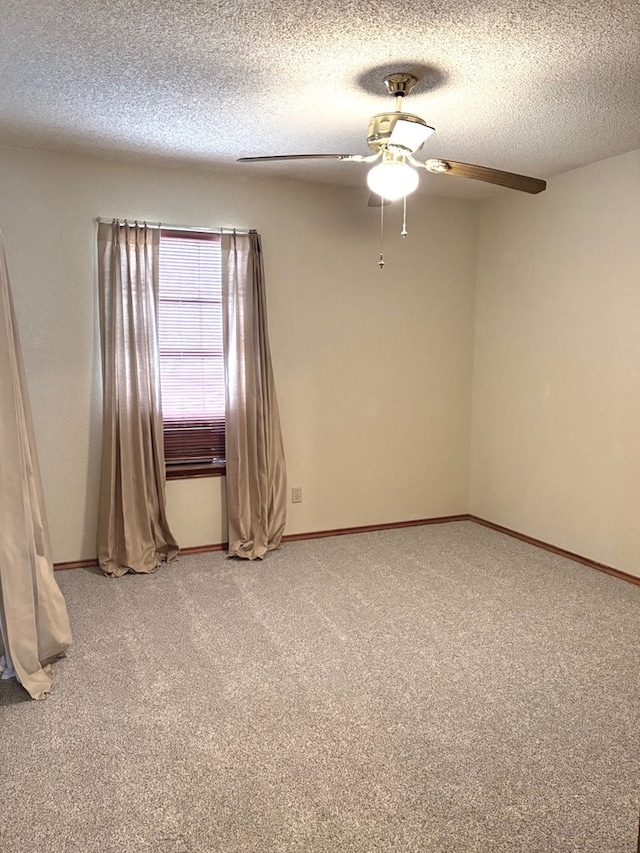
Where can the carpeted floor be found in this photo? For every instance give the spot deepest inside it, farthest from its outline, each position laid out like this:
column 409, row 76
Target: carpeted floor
column 441, row 688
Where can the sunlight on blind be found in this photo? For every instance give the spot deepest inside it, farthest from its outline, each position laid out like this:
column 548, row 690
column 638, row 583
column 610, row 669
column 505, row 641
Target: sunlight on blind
column 190, row 336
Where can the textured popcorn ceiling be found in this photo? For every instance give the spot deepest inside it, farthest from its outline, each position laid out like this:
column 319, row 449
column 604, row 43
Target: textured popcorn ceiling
column 535, row 87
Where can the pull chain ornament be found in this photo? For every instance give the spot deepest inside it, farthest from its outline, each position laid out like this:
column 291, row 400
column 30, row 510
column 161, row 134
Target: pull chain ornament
column 404, row 231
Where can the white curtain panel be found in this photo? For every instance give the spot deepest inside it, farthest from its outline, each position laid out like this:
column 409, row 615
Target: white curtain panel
column 133, row 531
column 34, row 626
column 255, row 469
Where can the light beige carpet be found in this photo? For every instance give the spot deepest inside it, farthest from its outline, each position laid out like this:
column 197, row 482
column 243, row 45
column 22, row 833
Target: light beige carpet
column 442, row 688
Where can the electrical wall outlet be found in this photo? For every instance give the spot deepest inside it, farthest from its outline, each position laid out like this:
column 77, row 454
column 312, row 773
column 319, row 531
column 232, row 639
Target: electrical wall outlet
column 296, row 495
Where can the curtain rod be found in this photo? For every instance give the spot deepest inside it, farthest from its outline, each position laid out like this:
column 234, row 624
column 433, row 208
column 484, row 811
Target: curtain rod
column 170, row 226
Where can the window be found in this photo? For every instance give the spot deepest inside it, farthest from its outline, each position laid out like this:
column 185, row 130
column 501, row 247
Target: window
column 191, row 357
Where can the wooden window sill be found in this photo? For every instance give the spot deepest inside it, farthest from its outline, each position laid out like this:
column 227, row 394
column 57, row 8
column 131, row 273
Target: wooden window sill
column 188, row 472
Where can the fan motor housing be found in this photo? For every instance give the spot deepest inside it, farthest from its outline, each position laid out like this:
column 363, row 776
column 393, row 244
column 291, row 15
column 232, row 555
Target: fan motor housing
column 381, row 127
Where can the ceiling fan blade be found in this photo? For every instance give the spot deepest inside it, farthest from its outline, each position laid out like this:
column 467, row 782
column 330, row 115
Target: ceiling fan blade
column 489, row 176
column 376, row 200
column 297, row 157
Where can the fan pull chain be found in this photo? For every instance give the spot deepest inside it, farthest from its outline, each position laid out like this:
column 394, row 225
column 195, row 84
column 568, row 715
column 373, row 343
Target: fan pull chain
column 404, row 231
column 381, row 261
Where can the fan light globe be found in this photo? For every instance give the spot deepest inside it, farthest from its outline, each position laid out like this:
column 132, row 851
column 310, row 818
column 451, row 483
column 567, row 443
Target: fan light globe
column 392, row 179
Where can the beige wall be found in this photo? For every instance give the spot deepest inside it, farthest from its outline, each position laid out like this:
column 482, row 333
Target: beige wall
column 556, row 400
column 373, row 368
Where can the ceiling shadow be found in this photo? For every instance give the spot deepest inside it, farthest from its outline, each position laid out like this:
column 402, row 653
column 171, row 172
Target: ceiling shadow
column 429, row 77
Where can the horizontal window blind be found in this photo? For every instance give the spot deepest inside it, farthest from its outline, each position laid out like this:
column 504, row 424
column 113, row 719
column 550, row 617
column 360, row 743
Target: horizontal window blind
column 190, row 342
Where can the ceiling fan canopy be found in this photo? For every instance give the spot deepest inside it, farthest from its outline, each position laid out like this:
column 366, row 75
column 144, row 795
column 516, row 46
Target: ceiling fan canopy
column 395, row 137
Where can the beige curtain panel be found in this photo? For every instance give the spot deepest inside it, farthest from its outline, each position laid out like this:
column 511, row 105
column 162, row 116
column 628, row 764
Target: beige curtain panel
column 133, row 532
column 256, row 475
column 34, row 626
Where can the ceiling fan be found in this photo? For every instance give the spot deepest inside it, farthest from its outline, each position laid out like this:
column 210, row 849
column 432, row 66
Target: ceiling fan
column 395, row 137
